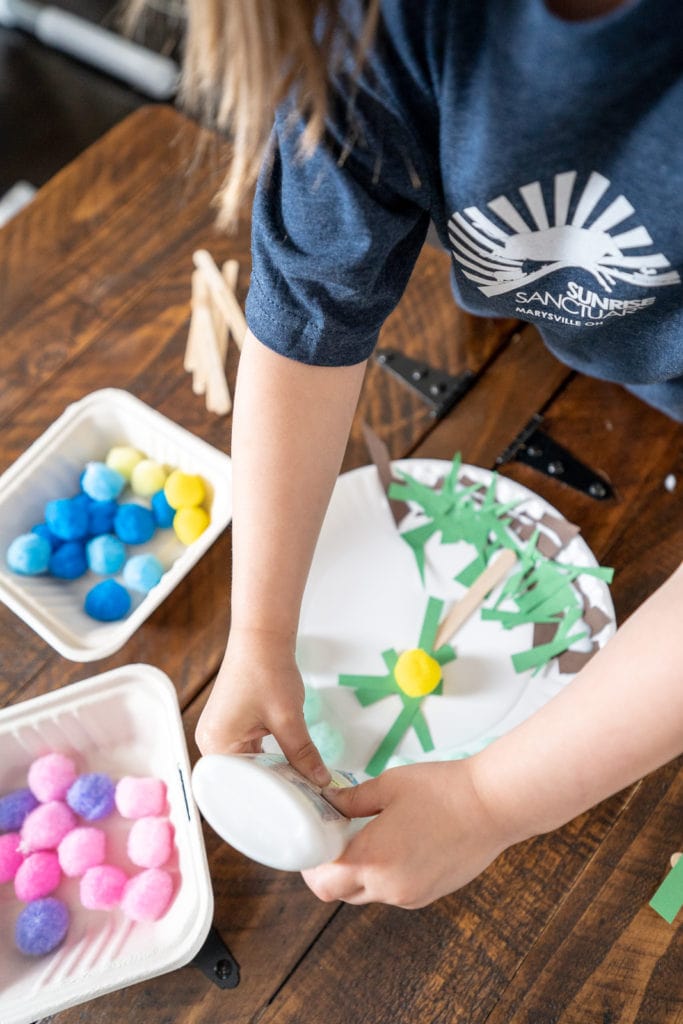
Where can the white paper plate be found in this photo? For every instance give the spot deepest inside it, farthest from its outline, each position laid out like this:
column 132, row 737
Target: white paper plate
column 364, row 595
column 124, row 722
column 51, row 468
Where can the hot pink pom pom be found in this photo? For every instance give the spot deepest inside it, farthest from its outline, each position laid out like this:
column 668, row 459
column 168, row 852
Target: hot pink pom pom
column 140, row 797
column 147, row 895
column 50, row 776
column 37, row 876
column 80, row 849
column 45, row 827
column 10, row 856
column 102, row 887
column 150, row 842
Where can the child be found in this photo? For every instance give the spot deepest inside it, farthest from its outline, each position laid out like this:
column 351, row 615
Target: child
column 541, row 139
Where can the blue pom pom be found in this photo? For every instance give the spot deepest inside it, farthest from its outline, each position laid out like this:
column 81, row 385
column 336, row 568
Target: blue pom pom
column 68, row 562
column 14, row 807
column 41, row 926
column 163, row 513
column 91, row 796
column 142, row 572
column 134, row 524
column 101, row 517
column 101, row 482
column 29, row 554
column 43, row 530
column 106, row 554
column 67, row 518
column 107, row 601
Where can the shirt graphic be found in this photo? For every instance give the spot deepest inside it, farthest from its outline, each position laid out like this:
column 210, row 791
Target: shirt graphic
column 510, row 252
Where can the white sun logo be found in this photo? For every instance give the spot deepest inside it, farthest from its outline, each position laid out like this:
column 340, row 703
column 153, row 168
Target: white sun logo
column 500, row 259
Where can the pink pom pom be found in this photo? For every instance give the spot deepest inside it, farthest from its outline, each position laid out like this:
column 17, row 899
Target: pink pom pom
column 50, row 776
column 147, row 895
column 80, row 849
column 102, row 887
column 10, row 856
column 45, row 827
column 140, row 797
column 37, row 876
column 150, row 842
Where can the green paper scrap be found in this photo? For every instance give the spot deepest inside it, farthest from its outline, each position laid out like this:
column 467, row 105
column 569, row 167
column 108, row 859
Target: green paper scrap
column 542, row 589
column 668, row 899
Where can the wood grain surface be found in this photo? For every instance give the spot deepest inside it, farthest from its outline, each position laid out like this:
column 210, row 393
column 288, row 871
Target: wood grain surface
column 95, row 292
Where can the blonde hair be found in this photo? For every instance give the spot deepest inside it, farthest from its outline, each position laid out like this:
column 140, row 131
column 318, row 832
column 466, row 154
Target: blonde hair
column 243, row 57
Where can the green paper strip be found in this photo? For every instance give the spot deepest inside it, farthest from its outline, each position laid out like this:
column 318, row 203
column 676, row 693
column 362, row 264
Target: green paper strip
column 383, row 683
column 378, row 762
column 668, row 899
column 422, row 731
column 444, row 654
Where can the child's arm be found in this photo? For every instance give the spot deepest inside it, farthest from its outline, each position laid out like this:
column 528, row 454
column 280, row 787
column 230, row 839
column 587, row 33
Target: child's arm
column 440, row 824
column 290, row 426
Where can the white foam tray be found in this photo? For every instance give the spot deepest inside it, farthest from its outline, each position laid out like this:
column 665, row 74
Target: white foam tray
column 51, row 468
column 124, row 722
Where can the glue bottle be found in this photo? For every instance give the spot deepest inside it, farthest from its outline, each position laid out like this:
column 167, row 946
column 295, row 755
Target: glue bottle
column 270, row 812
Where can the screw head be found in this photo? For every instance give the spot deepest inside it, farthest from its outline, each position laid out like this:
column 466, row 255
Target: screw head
column 532, row 451
column 556, row 468
column 597, row 490
column 222, row 969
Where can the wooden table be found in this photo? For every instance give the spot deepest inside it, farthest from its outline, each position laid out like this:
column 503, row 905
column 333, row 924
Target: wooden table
column 94, row 292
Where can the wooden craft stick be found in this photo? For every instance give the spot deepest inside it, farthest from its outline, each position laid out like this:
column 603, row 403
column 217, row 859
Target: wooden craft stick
column 675, row 857
column 193, row 361
column 483, row 585
column 205, row 350
column 223, row 297
column 230, row 273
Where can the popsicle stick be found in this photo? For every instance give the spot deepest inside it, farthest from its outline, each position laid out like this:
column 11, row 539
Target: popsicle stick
column 223, row 297
column 193, row 360
column 494, row 572
column 230, row 273
column 210, row 369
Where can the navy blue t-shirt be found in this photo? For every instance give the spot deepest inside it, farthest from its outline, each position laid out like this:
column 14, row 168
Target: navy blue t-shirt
column 547, row 153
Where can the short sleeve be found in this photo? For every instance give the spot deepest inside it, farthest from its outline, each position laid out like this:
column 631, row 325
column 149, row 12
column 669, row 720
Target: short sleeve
column 335, row 236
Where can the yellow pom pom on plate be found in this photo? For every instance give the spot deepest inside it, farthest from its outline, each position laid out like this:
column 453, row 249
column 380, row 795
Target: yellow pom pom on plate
column 184, row 490
column 417, row 673
column 190, row 523
column 147, row 478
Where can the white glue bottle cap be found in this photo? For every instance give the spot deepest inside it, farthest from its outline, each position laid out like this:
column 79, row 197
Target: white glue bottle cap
column 267, row 810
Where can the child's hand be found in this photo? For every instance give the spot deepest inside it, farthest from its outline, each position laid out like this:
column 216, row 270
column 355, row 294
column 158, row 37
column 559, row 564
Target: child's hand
column 432, row 834
column 259, row 691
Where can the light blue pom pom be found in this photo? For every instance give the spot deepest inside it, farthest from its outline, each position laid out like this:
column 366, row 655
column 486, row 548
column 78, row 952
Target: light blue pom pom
column 106, row 554
column 328, row 740
column 29, row 554
column 142, row 572
column 102, row 483
column 313, row 706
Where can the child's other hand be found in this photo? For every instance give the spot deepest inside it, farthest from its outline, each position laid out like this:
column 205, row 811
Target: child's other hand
column 433, row 833
column 258, row 692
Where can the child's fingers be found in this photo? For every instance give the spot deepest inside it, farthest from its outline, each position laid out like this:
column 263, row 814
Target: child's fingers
column 300, row 751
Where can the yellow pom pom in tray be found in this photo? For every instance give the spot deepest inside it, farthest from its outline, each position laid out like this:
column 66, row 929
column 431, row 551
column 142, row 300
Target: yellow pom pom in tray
column 184, row 490
column 190, row 523
column 417, row 673
column 124, row 458
column 147, row 478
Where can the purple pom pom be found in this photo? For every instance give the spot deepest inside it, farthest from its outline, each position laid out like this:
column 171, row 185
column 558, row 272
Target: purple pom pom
column 41, row 926
column 14, row 808
column 92, row 796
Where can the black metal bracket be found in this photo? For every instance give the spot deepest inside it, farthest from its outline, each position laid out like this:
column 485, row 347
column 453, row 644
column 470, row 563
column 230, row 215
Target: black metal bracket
column 534, row 448
column 216, row 961
column 438, row 389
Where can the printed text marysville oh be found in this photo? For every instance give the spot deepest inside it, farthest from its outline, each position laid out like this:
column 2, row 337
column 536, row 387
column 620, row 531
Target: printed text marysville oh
column 577, row 307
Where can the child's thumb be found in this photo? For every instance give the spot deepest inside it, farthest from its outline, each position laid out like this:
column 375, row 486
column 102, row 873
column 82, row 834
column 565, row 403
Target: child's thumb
column 362, row 801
